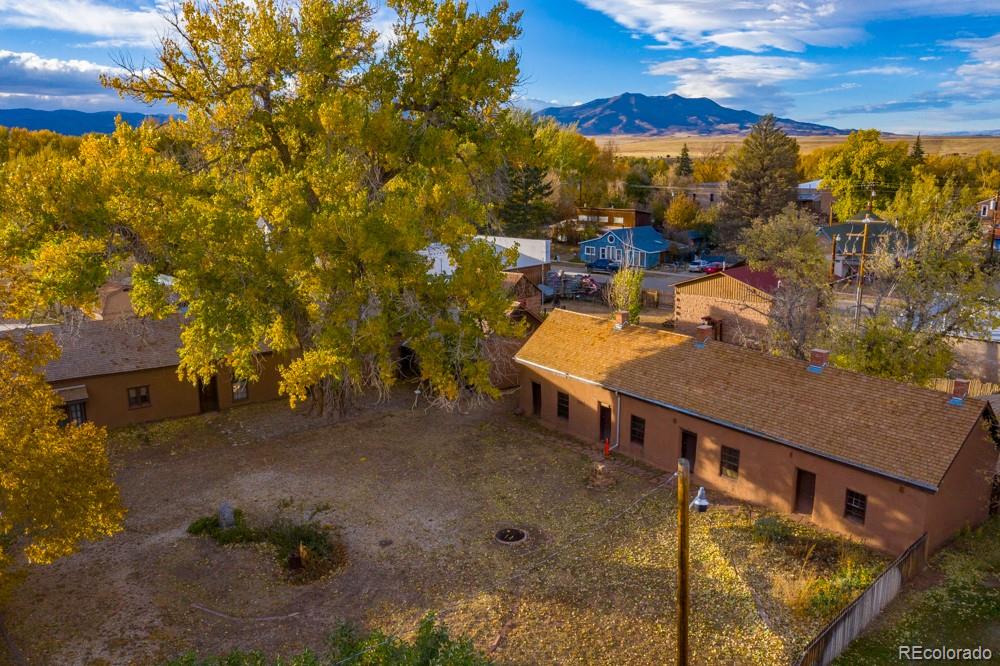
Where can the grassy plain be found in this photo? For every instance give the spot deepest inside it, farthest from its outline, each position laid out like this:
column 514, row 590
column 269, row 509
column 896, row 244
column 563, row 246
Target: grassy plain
column 659, row 146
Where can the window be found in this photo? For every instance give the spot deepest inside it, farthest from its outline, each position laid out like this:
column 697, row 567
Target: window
column 638, row 430
column 604, row 253
column 76, row 413
column 729, row 464
column 711, row 196
column 619, row 220
column 589, row 250
column 138, row 396
column 562, row 405
column 618, row 254
column 855, row 507
column 240, row 390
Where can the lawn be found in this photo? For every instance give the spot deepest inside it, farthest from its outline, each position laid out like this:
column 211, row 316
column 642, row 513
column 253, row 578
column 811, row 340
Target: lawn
column 954, row 603
column 415, row 496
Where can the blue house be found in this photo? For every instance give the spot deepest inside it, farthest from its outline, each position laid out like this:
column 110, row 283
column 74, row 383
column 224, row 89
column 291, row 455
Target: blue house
column 637, row 246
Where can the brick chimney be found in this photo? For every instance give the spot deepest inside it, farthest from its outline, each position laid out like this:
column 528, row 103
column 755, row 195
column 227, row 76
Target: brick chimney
column 818, row 359
column 959, row 392
column 621, row 319
column 703, row 334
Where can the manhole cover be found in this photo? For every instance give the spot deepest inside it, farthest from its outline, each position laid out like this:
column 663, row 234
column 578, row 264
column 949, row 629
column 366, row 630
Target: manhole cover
column 510, row 535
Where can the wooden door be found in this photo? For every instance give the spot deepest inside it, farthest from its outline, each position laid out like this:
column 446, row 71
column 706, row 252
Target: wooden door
column 689, row 446
column 605, row 422
column 208, row 395
column 805, row 491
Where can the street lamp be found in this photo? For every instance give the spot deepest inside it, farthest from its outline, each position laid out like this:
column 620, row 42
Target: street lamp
column 700, row 504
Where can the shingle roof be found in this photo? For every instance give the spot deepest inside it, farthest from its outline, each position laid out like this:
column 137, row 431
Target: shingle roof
column 765, row 281
column 905, row 432
column 104, row 347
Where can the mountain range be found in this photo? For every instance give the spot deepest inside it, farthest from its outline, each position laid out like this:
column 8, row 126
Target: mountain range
column 637, row 114
column 66, row 121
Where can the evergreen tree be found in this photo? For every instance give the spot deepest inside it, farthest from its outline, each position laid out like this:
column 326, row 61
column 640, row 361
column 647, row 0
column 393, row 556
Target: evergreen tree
column 685, row 168
column 526, row 207
column 763, row 179
column 917, row 153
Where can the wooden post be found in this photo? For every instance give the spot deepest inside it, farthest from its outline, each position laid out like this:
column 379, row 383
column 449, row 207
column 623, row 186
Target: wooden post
column 683, row 599
column 861, row 277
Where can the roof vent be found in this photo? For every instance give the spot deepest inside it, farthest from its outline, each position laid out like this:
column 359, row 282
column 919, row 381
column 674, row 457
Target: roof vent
column 702, row 335
column 959, row 392
column 818, row 359
column 621, row 319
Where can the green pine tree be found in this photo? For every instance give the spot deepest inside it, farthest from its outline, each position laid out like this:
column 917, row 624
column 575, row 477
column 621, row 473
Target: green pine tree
column 685, row 167
column 526, row 207
column 917, row 153
column 763, row 179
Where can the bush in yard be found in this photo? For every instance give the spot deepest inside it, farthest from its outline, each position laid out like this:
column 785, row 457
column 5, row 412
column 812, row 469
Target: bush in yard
column 306, row 548
column 432, row 646
column 771, row 529
column 832, row 593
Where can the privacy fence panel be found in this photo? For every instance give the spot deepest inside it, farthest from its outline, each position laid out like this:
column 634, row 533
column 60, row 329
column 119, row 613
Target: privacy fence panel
column 851, row 621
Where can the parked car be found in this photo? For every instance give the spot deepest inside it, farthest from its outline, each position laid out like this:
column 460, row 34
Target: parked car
column 697, row 266
column 714, row 267
column 603, row 266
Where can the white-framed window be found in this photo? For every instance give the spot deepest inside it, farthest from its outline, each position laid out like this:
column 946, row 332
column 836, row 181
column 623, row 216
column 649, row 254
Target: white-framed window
column 618, row 253
column 603, row 253
column 588, row 250
column 603, row 219
column 619, row 220
column 611, row 238
column 240, row 390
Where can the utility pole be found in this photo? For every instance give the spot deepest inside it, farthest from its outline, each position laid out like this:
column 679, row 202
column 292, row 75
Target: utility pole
column 683, row 599
column 861, row 267
column 861, row 276
column 833, row 256
column 993, row 227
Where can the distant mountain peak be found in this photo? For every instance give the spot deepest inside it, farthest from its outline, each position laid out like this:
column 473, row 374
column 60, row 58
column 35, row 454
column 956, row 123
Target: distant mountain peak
column 69, row 121
column 650, row 115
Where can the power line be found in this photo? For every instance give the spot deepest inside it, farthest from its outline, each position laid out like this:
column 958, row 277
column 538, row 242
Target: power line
column 534, row 566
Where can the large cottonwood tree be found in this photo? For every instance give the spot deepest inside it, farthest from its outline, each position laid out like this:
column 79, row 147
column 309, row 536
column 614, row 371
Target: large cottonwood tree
column 314, row 163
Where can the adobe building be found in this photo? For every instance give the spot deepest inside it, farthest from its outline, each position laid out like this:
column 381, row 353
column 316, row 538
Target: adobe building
column 735, row 302
column 123, row 371
column 896, row 462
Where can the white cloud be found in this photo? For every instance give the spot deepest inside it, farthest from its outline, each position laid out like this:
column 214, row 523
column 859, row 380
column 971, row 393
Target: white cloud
column 112, row 23
column 978, row 78
column 746, row 80
column 929, row 58
column 886, row 70
column 787, row 25
column 30, row 80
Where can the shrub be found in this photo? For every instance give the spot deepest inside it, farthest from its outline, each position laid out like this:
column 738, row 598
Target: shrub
column 830, row 594
column 238, row 533
column 309, row 545
column 432, row 646
column 770, row 529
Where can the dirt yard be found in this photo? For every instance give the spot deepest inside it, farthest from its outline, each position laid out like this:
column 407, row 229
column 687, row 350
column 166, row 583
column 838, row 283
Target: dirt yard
column 416, row 497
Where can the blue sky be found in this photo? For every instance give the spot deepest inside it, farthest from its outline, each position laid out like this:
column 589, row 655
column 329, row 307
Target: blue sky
column 899, row 65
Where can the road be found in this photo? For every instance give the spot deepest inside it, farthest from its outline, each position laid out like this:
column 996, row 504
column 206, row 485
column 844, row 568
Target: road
column 653, row 279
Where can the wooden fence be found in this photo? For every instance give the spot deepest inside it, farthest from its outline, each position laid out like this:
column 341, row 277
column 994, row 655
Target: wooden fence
column 851, row 621
column 977, row 389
